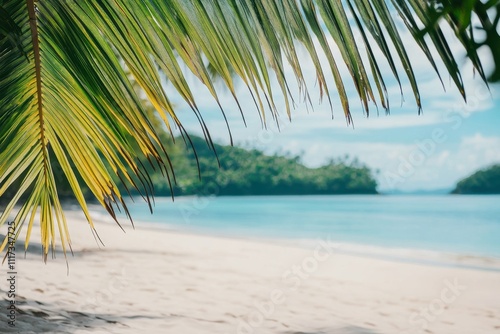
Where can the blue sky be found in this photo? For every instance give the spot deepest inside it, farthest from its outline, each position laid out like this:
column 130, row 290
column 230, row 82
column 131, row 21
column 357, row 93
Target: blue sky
column 433, row 150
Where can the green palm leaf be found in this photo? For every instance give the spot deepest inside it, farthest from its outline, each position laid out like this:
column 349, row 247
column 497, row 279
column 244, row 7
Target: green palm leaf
column 69, row 69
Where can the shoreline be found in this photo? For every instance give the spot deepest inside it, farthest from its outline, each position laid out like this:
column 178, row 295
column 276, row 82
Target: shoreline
column 159, row 281
column 463, row 260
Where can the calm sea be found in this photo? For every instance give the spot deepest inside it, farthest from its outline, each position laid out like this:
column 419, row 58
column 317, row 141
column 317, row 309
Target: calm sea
column 451, row 224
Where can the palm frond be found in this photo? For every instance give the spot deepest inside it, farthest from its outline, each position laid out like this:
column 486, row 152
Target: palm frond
column 464, row 18
column 68, row 71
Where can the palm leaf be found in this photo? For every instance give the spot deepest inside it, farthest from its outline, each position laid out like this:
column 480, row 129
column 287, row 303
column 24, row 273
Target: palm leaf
column 69, row 71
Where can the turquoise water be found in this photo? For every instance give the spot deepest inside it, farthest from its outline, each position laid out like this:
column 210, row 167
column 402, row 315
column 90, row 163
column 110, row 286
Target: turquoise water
column 456, row 224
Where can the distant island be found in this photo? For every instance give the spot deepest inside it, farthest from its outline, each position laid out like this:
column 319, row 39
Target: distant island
column 251, row 172
column 485, row 181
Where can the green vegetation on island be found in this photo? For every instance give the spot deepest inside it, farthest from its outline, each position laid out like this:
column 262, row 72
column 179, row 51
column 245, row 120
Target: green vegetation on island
column 251, row 172
column 485, row 181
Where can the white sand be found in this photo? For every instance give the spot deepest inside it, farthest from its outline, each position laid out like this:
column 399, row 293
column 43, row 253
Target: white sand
column 155, row 281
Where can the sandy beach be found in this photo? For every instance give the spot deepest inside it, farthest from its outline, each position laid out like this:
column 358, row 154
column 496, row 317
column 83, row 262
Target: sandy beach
column 157, row 281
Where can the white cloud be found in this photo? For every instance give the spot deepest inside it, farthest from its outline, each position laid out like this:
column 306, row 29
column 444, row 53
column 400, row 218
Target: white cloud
column 443, row 167
column 476, row 152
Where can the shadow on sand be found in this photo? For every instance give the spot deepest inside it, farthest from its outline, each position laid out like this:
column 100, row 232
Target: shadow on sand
column 35, row 317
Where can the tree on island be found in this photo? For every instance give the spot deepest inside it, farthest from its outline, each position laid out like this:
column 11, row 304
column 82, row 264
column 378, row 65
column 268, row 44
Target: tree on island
column 68, row 68
column 485, row 181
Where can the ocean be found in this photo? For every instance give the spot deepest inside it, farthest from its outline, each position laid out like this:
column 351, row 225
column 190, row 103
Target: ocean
column 452, row 224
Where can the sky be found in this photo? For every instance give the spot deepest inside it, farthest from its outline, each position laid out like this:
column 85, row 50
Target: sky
column 406, row 151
